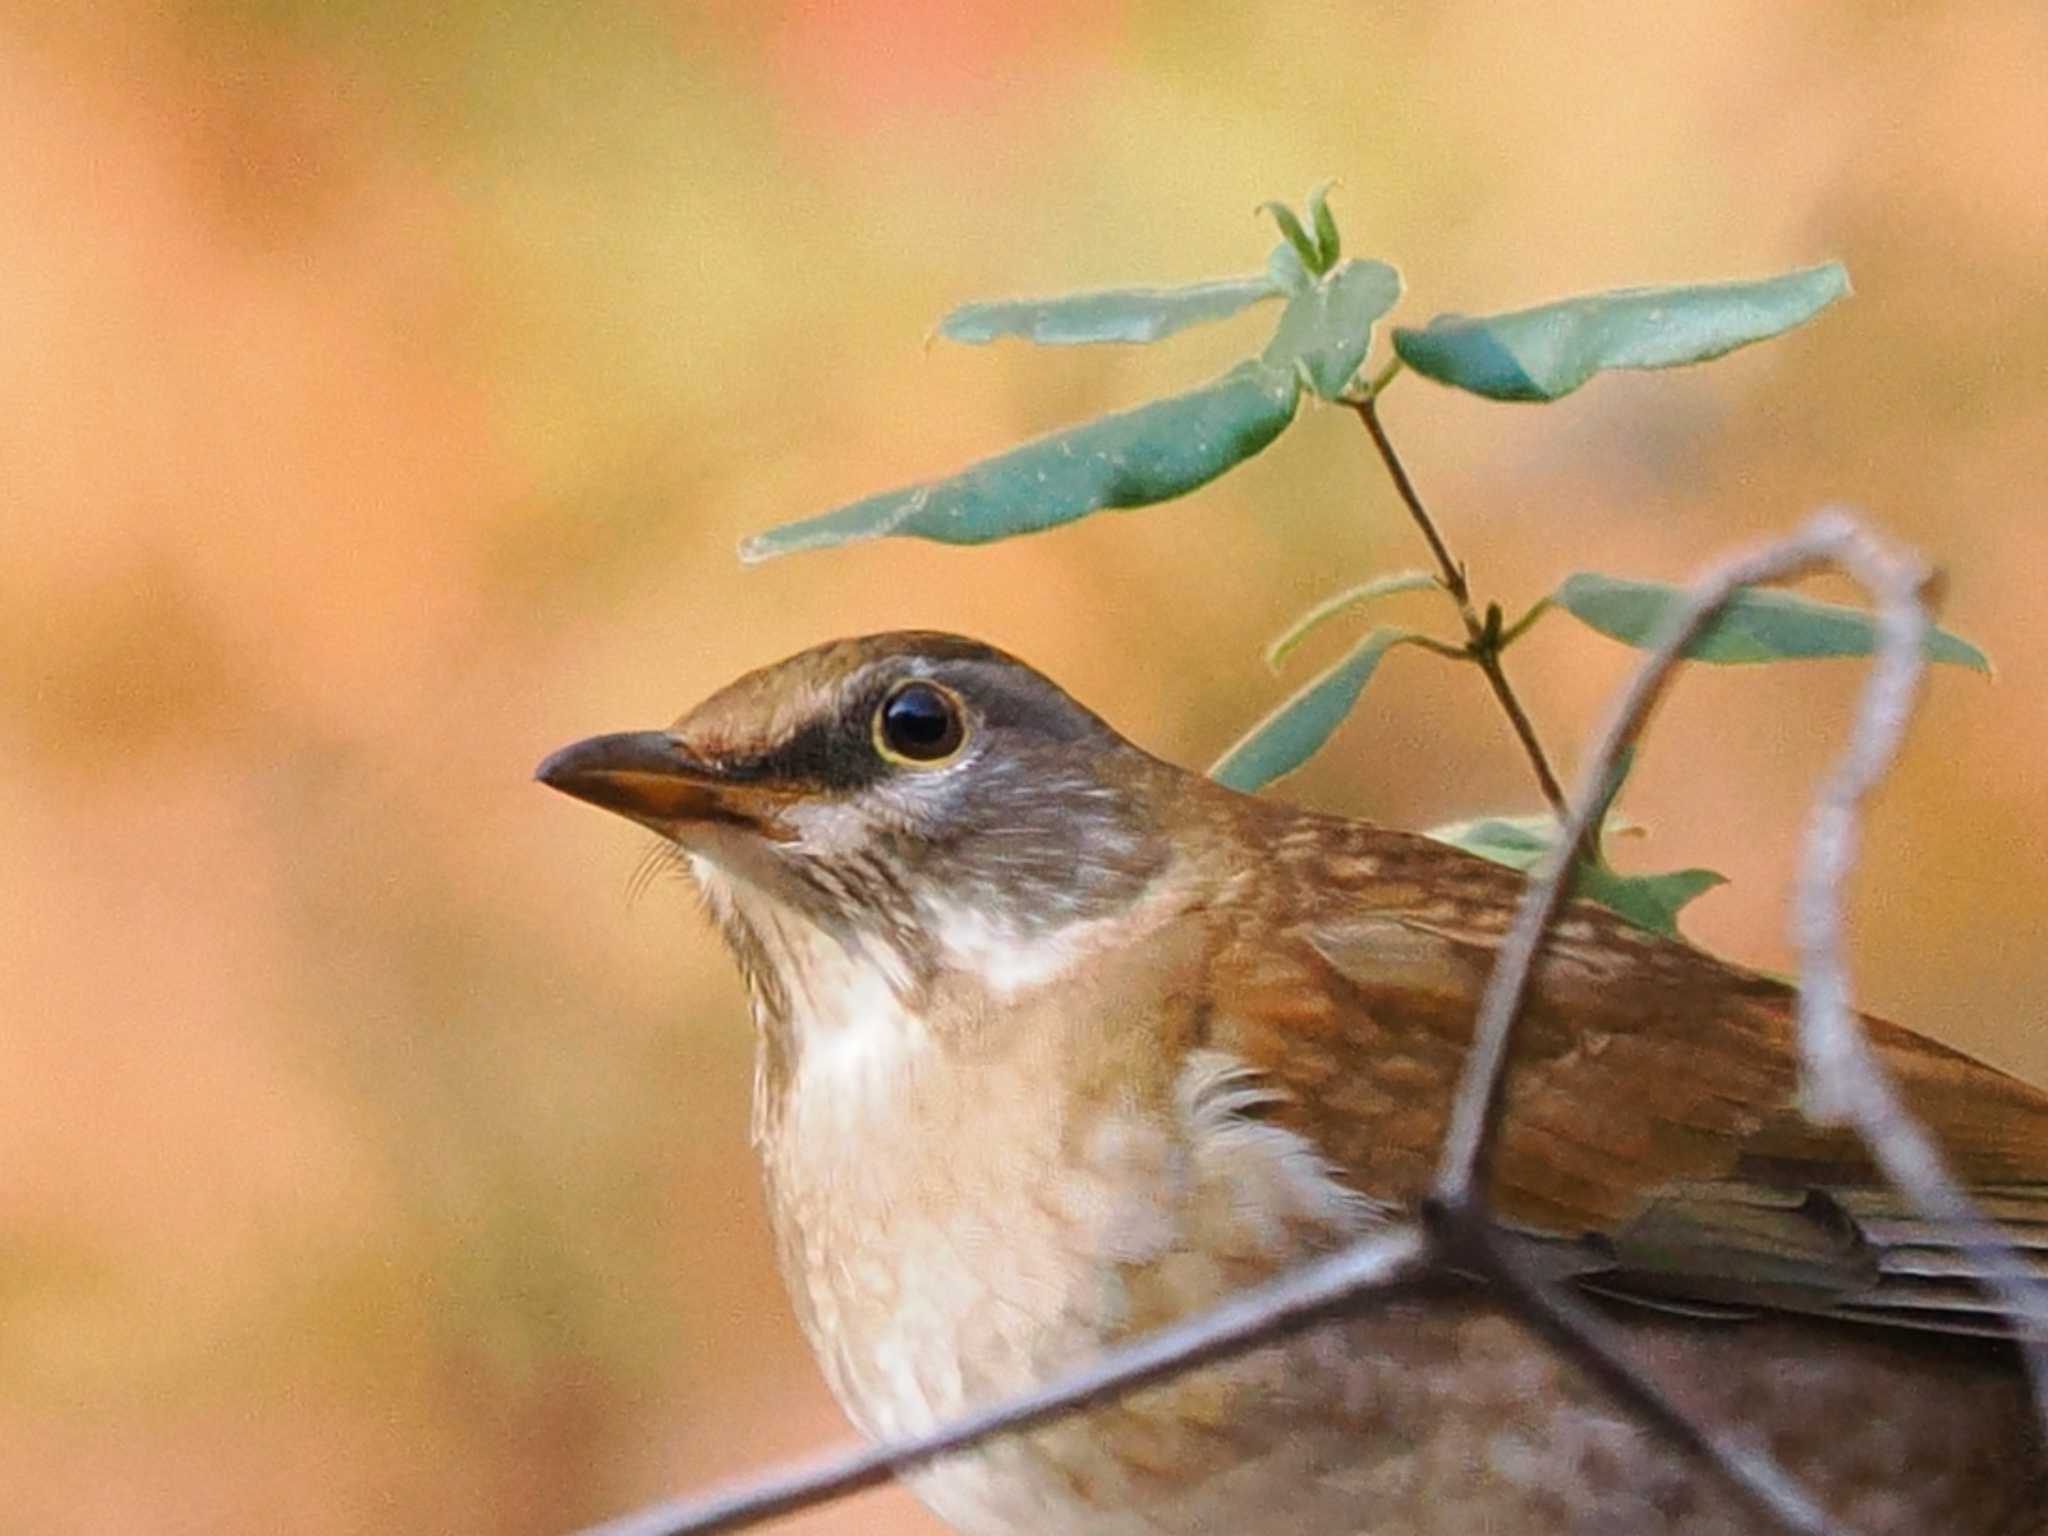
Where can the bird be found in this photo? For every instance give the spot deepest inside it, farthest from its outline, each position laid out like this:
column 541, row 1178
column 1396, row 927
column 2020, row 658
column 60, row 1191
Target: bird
column 1057, row 1042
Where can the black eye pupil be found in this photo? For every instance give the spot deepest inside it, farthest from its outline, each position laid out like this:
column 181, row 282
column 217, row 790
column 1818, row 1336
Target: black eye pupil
column 920, row 723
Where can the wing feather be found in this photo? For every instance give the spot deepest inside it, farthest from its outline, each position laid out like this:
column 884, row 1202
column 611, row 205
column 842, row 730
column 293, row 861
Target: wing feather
column 1652, row 1110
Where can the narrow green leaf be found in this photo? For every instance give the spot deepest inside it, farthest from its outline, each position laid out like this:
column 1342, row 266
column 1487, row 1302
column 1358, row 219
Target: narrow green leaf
column 1108, row 314
column 1153, row 452
column 1292, row 232
column 1520, row 842
column 1343, row 602
column 1617, row 775
column 1516, row 841
column 1648, row 901
column 1326, row 328
column 1291, row 734
column 1549, row 351
column 1759, row 623
column 1328, row 246
column 1526, row 622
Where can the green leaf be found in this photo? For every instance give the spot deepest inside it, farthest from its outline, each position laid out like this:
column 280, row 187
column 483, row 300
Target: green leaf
column 1648, row 901
column 1108, row 314
column 1759, row 623
column 1549, row 351
column 1520, row 842
column 1284, row 267
column 1292, row 733
column 1516, row 841
column 1292, row 232
column 1153, row 452
column 1343, row 602
column 1328, row 246
column 1326, row 328
column 1617, row 775
column 1527, row 622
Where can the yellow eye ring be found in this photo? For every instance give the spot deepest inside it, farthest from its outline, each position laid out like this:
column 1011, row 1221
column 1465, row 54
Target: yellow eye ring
column 920, row 724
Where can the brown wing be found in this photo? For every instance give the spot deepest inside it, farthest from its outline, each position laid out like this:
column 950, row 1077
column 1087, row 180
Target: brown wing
column 1651, row 1107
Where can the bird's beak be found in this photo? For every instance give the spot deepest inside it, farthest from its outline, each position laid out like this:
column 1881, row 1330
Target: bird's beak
column 651, row 778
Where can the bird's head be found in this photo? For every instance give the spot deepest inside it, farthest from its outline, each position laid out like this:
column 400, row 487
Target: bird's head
column 915, row 790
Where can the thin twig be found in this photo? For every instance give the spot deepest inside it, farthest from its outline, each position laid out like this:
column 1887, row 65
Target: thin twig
column 1844, row 1080
column 1482, row 648
column 1458, row 1205
column 1450, row 571
column 1374, row 1268
column 1476, row 1110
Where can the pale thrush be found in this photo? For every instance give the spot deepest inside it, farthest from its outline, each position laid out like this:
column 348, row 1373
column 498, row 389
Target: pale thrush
column 1058, row 1042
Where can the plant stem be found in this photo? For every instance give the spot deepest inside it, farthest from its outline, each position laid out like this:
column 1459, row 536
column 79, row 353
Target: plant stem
column 1383, row 378
column 1482, row 647
column 1440, row 647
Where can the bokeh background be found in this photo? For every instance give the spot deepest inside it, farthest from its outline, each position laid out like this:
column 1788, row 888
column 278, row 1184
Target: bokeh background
column 382, row 391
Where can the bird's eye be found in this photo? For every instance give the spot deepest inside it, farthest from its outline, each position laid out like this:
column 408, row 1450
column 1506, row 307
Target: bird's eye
column 919, row 723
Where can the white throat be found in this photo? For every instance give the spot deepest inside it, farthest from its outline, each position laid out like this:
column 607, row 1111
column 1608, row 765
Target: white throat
column 854, row 1007
column 858, row 1041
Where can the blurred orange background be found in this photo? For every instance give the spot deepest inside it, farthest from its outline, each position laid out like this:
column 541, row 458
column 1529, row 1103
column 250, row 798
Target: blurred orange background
column 382, row 391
